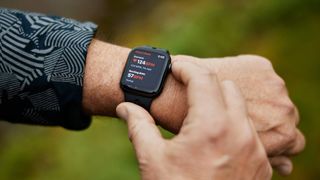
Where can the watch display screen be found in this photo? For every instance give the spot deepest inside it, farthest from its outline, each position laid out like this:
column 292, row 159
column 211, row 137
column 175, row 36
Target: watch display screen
column 144, row 70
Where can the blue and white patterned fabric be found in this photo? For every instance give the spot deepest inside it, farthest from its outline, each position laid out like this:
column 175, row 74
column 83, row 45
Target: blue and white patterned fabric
column 41, row 69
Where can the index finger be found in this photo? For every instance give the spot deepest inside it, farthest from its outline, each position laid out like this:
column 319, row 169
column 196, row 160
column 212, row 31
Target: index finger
column 204, row 94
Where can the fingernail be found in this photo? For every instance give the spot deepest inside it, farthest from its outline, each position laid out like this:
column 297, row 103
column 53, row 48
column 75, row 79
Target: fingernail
column 285, row 169
column 122, row 111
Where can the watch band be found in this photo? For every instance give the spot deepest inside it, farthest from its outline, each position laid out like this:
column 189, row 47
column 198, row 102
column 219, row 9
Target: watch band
column 144, row 102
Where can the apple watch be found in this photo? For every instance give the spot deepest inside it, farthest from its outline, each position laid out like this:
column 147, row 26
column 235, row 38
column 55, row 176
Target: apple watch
column 144, row 75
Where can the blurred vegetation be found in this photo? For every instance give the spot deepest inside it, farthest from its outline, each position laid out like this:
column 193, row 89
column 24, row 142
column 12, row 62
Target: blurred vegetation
column 286, row 32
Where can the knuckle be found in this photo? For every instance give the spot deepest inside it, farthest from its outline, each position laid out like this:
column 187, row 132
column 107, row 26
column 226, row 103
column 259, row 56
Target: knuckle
column 213, row 134
column 288, row 135
column 285, row 107
column 278, row 80
column 278, row 83
column 135, row 129
column 291, row 138
column 288, row 109
column 133, row 133
column 258, row 60
column 300, row 143
column 262, row 60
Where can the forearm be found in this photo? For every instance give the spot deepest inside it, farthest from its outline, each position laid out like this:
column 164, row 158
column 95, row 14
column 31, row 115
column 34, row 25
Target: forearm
column 102, row 93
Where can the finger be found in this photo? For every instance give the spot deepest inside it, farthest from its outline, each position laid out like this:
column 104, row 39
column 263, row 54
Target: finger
column 203, row 89
column 282, row 140
column 282, row 165
column 142, row 130
column 298, row 144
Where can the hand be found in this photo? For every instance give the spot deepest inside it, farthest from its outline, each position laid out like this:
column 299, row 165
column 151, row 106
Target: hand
column 269, row 106
column 217, row 139
column 274, row 115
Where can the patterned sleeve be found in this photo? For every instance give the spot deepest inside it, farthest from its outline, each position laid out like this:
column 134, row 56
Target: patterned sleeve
column 41, row 69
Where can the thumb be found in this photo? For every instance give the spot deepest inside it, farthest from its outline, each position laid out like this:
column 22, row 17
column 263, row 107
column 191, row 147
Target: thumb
column 143, row 132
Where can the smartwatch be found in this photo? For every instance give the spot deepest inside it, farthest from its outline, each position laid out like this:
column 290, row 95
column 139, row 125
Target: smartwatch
column 144, row 75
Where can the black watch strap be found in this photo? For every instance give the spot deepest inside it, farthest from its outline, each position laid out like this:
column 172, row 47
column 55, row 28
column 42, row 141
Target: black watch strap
column 145, row 102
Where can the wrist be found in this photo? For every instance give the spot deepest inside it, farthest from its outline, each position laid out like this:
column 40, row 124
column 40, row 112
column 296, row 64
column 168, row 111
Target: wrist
column 102, row 93
column 170, row 108
column 101, row 90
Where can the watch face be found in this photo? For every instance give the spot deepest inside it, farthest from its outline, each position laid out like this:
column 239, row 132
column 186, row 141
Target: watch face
column 145, row 70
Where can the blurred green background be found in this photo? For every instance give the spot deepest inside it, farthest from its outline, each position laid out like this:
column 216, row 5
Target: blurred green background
column 285, row 31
